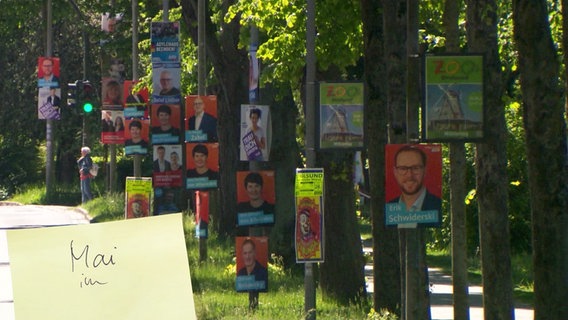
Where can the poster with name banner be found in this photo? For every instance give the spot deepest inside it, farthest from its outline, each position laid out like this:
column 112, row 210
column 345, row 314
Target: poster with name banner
column 341, row 115
column 309, row 239
column 110, row 270
column 453, row 107
column 252, row 264
column 413, row 186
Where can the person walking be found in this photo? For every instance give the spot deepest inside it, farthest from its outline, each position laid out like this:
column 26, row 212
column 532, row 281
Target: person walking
column 85, row 163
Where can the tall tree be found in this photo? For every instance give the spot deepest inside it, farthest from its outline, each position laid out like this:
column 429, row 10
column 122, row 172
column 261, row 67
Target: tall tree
column 491, row 159
column 386, row 254
column 545, row 131
column 230, row 66
column 457, row 184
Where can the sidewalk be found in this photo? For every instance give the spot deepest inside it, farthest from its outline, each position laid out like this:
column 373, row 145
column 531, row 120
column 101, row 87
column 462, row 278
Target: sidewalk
column 441, row 296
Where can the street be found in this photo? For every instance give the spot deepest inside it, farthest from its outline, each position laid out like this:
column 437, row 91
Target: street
column 441, row 300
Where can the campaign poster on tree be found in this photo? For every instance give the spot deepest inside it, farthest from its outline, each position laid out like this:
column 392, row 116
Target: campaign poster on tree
column 138, row 197
column 165, row 122
column 341, row 115
column 453, row 108
column 167, row 165
column 252, row 264
column 135, row 100
column 256, row 198
column 48, row 72
column 309, row 188
column 49, row 103
column 201, row 118
column 136, row 136
column 256, row 133
column 413, row 186
column 112, row 126
column 164, row 42
column 202, row 165
column 201, row 214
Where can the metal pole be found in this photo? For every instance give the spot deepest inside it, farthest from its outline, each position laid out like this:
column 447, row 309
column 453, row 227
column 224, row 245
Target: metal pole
column 309, row 283
column 137, row 158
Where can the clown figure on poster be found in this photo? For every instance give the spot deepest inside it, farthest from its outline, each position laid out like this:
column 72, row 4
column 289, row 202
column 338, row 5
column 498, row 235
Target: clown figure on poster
column 308, row 232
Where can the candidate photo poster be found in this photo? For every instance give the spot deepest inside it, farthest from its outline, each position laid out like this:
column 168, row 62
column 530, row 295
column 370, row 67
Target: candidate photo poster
column 167, row 200
column 252, row 264
column 111, row 93
column 167, row 165
column 201, row 118
column 256, row 133
column 138, row 197
column 48, row 72
column 413, row 186
column 202, row 163
column 453, row 108
column 256, row 198
column 341, row 116
column 201, row 214
column 49, row 103
column 166, row 83
column 136, row 136
column 112, row 126
column 165, row 121
column 135, row 100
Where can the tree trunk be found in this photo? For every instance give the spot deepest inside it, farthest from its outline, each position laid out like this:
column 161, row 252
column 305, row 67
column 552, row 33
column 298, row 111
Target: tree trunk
column 545, row 132
column 457, row 185
column 386, row 261
column 284, row 157
column 491, row 159
column 231, row 70
column 343, row 249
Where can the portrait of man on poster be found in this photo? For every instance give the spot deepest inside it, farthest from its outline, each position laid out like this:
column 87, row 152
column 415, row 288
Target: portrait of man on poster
column 252, row 263
column 414, row 180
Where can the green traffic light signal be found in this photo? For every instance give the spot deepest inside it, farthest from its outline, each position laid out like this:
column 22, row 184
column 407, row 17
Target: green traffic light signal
column 87, row 107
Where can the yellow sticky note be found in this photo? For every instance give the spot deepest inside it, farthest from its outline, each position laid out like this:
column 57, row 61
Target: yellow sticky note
column 132, row 269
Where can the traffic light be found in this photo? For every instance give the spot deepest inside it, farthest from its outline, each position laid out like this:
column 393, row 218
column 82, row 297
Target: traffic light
column 87, row 96
column 73, row 93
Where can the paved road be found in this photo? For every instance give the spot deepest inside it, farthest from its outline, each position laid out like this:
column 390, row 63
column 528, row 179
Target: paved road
column 14, row 216
column 441, row 300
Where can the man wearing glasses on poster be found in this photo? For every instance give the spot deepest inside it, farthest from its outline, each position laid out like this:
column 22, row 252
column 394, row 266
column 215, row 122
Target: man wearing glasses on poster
column 410, row 168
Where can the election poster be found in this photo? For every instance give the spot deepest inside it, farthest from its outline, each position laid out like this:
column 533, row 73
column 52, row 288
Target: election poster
column 453, row 107
column 341, row 115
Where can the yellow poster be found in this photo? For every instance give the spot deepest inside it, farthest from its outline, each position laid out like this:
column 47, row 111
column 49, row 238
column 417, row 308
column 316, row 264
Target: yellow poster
column 309, row 235
column 130, row 269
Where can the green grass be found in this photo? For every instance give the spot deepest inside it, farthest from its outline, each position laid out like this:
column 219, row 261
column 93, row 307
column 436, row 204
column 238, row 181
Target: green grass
column 213, row 280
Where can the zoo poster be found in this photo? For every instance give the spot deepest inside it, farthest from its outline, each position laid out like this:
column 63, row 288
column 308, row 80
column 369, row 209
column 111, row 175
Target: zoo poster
column 453, row 108
column 341, row 115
